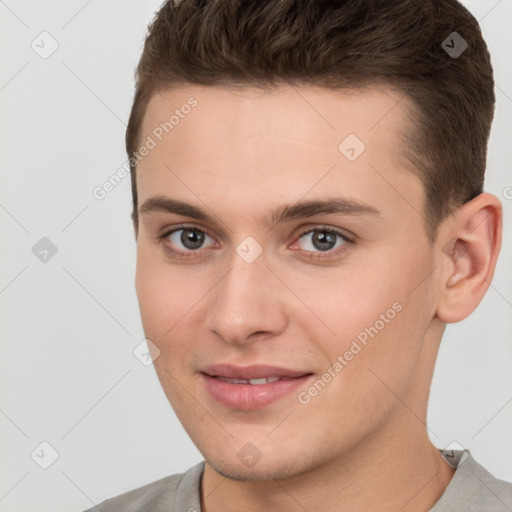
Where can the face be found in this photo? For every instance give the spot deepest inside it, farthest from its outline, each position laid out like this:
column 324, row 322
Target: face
column 274, row 247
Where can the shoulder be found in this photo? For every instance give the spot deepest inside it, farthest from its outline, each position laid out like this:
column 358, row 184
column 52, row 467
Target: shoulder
column 160, row 495
column 474, row 489
column 492, row 490
column 161, row 491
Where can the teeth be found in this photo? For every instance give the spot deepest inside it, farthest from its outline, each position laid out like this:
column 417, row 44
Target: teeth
column 258, row 381
column 254, row 382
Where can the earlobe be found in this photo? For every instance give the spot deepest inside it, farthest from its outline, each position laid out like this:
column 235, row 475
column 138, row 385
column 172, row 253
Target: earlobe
column 469, row 251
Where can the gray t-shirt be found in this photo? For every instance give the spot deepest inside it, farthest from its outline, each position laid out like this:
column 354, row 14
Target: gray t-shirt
column 471, row 489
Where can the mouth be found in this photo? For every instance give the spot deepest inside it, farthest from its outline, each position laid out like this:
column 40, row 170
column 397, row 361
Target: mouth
column 253, row 372
column 251, row 387
column 254, row 382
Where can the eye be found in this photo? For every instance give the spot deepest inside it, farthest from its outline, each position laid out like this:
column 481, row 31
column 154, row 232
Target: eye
column 322, row 240
column 190, row 239
column 184, row 241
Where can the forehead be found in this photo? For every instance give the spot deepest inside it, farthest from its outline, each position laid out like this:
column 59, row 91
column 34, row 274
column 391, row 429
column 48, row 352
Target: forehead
column 290, row 111
column 284, row 143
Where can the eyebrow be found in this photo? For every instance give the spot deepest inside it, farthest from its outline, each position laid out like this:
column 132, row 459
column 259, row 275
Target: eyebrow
column 301, row 209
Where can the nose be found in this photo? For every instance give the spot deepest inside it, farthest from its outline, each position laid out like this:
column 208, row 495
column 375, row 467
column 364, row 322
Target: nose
column 248, row 303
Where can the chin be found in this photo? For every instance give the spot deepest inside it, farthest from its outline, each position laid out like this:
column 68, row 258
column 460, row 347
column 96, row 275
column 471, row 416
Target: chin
column 261, row 471
column 235, row 471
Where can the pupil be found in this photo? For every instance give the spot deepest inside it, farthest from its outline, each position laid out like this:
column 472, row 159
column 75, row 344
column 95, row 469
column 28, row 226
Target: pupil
column 192, row 239
column 324, row 240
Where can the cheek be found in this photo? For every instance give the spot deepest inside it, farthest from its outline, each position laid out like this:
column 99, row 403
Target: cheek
column 171, row 303
column 349, row 300
column 372, row 359
column 166, row 293
column 375, row 321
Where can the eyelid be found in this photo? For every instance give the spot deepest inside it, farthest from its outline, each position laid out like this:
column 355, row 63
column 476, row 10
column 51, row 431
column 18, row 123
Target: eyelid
column 347, row 235
column 169, row 230
column 180, row 254
column 328, row 255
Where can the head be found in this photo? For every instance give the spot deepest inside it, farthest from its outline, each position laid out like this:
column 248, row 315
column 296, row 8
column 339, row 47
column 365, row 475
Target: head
column 308, row 193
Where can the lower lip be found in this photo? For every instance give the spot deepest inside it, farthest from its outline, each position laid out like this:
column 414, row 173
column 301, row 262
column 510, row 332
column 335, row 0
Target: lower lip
column 248, row 397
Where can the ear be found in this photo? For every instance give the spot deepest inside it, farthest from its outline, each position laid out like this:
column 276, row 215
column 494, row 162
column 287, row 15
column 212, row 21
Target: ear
column 469, row 247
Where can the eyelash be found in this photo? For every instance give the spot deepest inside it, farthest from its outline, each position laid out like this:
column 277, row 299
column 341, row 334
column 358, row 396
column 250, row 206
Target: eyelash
column 313, row 255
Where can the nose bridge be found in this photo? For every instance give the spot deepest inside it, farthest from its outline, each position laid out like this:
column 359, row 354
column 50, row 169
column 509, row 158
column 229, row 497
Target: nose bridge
column 244, row 302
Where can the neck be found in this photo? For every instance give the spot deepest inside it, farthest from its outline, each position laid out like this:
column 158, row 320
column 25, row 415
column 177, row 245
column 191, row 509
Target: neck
column 399, row 469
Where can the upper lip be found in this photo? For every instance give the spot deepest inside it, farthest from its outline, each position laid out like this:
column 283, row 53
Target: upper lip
column 250, row 372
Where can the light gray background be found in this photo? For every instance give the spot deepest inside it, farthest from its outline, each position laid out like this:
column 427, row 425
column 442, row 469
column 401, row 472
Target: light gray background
column 70, row 325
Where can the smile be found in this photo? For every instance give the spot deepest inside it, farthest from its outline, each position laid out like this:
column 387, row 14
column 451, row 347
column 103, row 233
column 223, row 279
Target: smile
column 252, row 387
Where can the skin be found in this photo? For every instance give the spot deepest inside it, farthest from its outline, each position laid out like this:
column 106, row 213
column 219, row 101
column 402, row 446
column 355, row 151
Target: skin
column 361, row 443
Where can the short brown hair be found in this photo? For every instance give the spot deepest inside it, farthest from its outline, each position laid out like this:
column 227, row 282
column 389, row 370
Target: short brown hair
column 339, row 44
